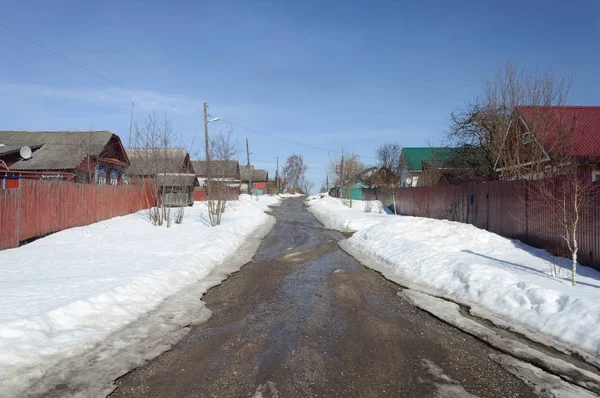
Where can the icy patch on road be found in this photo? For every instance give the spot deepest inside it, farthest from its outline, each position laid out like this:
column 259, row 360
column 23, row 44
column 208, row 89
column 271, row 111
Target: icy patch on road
column 544, row 384
column 266, row 390
column 449, row 313
column 446, row 387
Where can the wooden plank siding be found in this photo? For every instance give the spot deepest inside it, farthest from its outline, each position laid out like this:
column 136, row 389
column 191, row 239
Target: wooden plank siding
column 45, row 207
column 9, row 218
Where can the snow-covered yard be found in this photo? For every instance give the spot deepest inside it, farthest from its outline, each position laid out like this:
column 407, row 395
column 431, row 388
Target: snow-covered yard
column 63, row 294
column 498, row 277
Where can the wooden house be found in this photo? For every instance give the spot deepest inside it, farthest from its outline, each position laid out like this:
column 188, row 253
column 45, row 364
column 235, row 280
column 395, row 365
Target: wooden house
column 168, row 170
column 89, row 157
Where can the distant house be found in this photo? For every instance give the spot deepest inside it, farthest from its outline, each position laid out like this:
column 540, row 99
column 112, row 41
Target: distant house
column 223, row 170
column 426, row 166
column 169, row 170
column 258, row 178
column 378, row 177
column 544, row 134
column 95, row 157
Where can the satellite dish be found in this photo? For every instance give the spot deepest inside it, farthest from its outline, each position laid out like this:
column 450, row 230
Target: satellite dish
column 25, row 152
column 408, row 180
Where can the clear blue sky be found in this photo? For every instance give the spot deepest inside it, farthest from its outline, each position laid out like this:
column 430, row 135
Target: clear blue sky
column 352, row 74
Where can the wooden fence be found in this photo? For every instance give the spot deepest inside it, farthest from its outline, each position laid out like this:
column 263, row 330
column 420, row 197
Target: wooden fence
column 38, row 208
column 502, row 207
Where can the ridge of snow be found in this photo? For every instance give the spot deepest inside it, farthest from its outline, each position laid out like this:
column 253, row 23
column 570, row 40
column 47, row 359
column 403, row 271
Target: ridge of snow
column 478, row 268
column 61, row 295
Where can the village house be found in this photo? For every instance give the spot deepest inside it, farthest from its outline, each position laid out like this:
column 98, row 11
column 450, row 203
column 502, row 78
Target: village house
column 95, row 157
column 258, row 178
column 544, row 136
column 227, row 171
column 417, row 163
column 167, row 171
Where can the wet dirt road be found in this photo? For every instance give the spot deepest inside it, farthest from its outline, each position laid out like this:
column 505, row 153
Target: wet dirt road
column 304, row 319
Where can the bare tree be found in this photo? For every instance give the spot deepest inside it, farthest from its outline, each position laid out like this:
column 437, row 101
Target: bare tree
column 388, row 156
column 485, row 124
column 521, row 132
column 154, row 164
column 294, row 173
column 345, row 170
column 558, row 187
column 224, row 153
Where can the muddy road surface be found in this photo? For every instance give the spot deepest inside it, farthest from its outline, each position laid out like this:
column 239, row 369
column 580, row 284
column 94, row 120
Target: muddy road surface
column 304, row 319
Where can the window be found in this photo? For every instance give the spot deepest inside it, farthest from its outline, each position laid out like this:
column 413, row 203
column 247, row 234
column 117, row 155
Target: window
column 596, row 175
column 527, row 137
column 100, row 175
column 114, row 177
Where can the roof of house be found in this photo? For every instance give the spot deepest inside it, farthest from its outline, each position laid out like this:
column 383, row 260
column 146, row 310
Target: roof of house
column 176, row 179
column 219, row 168
column 150, row 161
column 56, row 150
column 246, row 173
column 584, row 120
column 415, row 157
column 260, row 175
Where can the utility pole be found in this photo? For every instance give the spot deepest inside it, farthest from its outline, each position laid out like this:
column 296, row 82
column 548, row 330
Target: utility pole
column 277, row 174
column 250, row 172
column 131, row 124
column 207, row 151
column 342, row 176
column 327, row 183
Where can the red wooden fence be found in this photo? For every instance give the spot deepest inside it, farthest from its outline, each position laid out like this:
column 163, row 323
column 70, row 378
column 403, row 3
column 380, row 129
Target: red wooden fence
column 502, row 207
column 38, row 208
column 9, row 218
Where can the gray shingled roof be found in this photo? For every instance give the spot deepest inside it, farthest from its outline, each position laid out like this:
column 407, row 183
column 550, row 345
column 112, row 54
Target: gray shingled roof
column 246, row 172
column 150, row 161
column 176, row 179
column 58, row 150
column 260, row 175
column 219, row 168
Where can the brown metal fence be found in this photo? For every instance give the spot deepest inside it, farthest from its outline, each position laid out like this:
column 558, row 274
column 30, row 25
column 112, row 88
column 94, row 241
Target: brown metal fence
column 502, row 207
column 38, row 208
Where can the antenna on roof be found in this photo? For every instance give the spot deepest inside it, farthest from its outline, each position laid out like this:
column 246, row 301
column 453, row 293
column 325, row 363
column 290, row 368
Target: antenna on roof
column 25, row 152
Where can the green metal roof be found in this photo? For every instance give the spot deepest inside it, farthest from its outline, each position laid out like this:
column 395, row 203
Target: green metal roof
column 414, row 156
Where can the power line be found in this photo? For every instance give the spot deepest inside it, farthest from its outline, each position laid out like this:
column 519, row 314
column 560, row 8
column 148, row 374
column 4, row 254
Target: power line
column 158, row 101
column 22, row 36
column 288, row 140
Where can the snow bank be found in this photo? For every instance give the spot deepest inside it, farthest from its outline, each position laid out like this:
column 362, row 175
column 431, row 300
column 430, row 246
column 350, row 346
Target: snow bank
column 337, row 214
column 61, row 295
column 482, row 269
column 290, row 195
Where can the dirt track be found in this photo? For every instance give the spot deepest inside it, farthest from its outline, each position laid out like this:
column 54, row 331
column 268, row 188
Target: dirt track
column 306, row 319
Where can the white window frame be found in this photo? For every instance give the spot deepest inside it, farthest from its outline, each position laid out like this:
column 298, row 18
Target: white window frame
column 526, row 137
column 596, row 175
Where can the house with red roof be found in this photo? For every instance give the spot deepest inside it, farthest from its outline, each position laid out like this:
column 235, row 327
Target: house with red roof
column 547, row 134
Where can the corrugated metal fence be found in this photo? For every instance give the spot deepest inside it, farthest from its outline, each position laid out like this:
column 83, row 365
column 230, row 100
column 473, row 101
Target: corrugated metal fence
column 38, row 208
column 502, row 207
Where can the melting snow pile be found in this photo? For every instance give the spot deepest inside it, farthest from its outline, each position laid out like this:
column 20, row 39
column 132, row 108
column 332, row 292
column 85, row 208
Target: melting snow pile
column 337, row 213
column 495, row 274
column 61, row 295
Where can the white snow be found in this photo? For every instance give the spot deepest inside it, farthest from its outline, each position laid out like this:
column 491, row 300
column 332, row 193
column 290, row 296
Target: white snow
column 475, row 267
column 63, row 294
column 337, row 214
